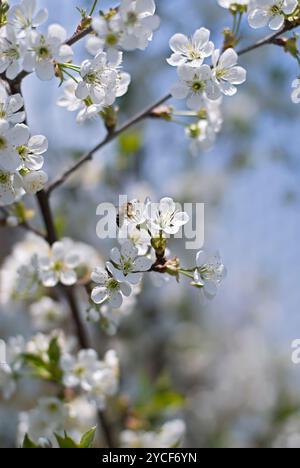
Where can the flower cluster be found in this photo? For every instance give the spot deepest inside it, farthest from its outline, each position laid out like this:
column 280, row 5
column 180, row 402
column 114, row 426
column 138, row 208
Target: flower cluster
column 201, row 84
column 21, row 155
column 128, row 27
column 270, row 12
column 22, row 47
column 49, row 357
column 98, row 379
column 261, row 13
column 101, row 81
column 168, row 436
column 143, row 232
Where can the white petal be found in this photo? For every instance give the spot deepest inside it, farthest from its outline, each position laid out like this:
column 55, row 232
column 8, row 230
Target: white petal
column 228, row 59
column 142, row 264
column 82, row 90
column 126, row 289
column 99, row 295
column 49, row 278
column 129, row 251
column 145, row 6
column 19, row 135
column 56, row 31
column 116, row 299
column 277, row 22
column 10, row 160
column 258, row 18
column 38, row 144
column 115, row 255
column 40, row 18
column 179, row 42
column 179, row 91
column 44, row 70
column 68, row 277
column 236, row 75
column 65, row 54
column 99, row 276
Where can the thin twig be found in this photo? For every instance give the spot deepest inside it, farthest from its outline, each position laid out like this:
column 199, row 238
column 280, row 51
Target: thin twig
column 79, row 35
column 269, row 40
column 110, row 137
column 69, row 293
column 23, row 225
column 272, row 39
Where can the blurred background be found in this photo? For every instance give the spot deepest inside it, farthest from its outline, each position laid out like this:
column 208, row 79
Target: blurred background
column 225, row 366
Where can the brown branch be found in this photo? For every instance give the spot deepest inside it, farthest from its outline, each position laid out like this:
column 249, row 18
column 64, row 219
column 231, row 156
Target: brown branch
column 272, row 39
column 69, row 293
column 80, row 34
column 269, row 40
column 110, row 137
column 23, row 225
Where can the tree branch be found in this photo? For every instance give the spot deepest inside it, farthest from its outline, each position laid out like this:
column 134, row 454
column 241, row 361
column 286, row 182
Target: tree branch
column 272, row 39
column 24, row 225
column 269, row 40
column 110, row 137
column 69, row 293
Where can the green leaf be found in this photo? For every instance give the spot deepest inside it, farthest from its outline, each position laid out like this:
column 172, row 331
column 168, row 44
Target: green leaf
column 87, row 439
column 65, row 442
column 54, row 351
column 27, row 443
column 34, row 361
column 130, row 142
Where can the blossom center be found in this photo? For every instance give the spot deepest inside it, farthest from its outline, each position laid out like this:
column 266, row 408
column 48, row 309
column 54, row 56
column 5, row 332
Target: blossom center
column 132, row 18
column 3, row 143
column 22, row 150
column 12, row 53
column 198, row 86
column 111, row 39
column 4, row 178
column 194, row 131
column 112, row 284
column 275, row 10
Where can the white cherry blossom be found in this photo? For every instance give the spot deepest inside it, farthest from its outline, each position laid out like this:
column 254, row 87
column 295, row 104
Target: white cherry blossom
column 169, row 435
column 127, row 264
column 24, row 16
column 192, row 51
column 165, row 216
column 78, row 370
column 139, row 21
column 108, row 288
column 108, row 34
column 72, row 103
column 46, row 314
column 102, row 80
column 45, row 50
column 202, row 136
column 210, row 272
column 10, row 140
column 226, row 72
column 10, row 108
column 59, row 265
column 34, row 182
column 31, row 151
column 11, row 188
column 138, row 236
column 295, row 96
column 229, row 3
column 195, row 84
column 270, row 12
column 104, row 382
column 12, row 52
